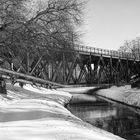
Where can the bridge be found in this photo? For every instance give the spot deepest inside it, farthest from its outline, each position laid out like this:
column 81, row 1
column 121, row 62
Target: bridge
column 107, row 53
column 108, row 66
column 83, row 65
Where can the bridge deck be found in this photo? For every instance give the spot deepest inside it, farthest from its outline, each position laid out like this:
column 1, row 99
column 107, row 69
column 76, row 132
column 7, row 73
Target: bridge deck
column 107, row 53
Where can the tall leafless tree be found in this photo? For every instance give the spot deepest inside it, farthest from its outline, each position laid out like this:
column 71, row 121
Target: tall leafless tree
column 29, row 26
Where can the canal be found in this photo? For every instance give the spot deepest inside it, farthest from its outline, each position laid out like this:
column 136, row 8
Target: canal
column 116, row 118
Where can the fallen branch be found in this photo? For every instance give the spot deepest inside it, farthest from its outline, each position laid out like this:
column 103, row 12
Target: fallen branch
column 32, row 78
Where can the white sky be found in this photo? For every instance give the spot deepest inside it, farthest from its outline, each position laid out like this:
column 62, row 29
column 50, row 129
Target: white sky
column 109, row 22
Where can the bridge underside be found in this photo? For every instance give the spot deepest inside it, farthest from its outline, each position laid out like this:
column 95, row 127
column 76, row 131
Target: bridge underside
column 75, row 68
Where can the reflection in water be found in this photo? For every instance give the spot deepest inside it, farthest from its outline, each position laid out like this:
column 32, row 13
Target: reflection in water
column 115, row 118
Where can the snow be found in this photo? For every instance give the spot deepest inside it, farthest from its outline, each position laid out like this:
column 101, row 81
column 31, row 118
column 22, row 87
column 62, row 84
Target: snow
column 39, row 114
column 124, row 94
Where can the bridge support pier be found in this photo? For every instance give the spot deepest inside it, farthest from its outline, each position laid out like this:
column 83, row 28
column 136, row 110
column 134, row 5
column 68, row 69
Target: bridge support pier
column 111, row 70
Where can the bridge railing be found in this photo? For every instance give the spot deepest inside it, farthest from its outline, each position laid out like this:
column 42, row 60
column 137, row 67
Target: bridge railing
column 106, row 52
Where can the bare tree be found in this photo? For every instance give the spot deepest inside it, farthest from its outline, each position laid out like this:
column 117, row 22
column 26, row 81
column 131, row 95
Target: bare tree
column 10, row 21
column 24, row 29
column 132, row 46
column 31, row 26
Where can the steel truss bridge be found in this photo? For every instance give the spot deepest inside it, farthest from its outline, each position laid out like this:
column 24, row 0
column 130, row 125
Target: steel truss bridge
column 83, row 65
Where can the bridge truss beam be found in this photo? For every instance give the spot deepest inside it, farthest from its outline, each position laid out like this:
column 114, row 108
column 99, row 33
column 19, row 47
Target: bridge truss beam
column 75, row 68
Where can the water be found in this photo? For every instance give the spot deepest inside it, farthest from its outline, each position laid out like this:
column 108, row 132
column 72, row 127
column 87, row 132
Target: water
column 113, row 117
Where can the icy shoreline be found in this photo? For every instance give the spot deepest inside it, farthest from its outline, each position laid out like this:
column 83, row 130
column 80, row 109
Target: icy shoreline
column 39, row 114
column 124, row 94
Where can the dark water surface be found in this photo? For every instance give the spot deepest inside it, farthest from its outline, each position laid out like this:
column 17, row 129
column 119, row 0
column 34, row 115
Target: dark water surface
column 113, row 117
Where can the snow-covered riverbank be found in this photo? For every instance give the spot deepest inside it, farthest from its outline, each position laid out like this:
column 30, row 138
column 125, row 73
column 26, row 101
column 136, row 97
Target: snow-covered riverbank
column 123, row 94
column 39, row 114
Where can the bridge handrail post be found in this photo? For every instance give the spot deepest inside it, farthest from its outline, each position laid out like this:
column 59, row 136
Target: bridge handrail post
column 78, row 47
column 86, row 48
column 120, row 54
column 126, row 56
column 132, row 56
column 82, row 48
column 97, row 51
column 104, row 51
column 101, row 51
column 123, row 54
column 129, row 56
column 117, row 54
column 114, row 53
column 110, row 52
column 90, row 49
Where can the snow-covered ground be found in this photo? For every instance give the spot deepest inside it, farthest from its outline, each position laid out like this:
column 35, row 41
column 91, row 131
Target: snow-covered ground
column 37, row 113
column 124, row 94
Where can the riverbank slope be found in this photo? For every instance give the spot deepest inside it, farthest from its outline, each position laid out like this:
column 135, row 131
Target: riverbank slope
column 123, row 94
column 38, row 113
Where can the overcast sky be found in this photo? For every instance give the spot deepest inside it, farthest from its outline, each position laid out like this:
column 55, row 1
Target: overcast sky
column 109, row 22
